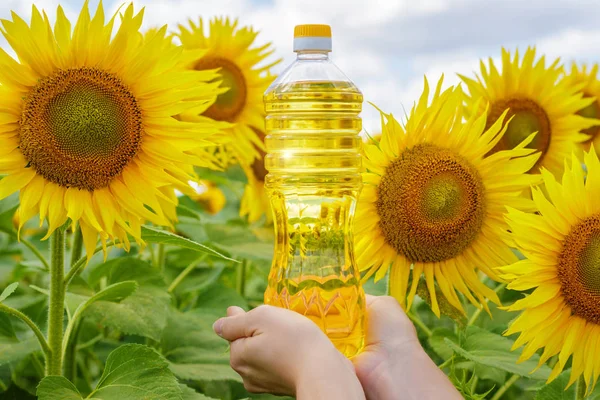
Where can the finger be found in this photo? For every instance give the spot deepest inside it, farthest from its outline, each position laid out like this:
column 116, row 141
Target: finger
column 387, row 321
column 231, row 312
column 370, row 299
column 234, row 327
column 235, row 310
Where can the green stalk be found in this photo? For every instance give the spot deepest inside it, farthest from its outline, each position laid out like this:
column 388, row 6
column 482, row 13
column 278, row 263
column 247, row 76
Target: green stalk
column 418, row 322
column 56, row 309
column 474, row 383
column 477, row 312
column 77, row 246
column 70, row 359
column 185, row 273
column 241, row 278
column 581, row 389
column 161, row 257
column 38, row 334
column 505, row 387
column 446, row 363
column 36, row 252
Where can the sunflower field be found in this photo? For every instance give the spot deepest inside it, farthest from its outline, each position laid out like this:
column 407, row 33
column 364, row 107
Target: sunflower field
column 133, row 212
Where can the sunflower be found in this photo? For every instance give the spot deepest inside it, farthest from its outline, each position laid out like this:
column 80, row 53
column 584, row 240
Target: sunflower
column 591, row 88
column 86, row 127
column 538, row 101
column 562, row 248
column 433, row 201
column 246, row 76
column 255, row 202
column 208, row 196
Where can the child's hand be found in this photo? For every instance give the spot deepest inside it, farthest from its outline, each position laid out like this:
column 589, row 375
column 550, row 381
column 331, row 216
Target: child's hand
column 280, row 351
column 393, row 364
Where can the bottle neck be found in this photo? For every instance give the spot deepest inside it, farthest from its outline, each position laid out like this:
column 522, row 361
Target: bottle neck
column 312, row 55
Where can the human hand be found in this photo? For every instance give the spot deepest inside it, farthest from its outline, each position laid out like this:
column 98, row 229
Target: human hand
column 393, row 364
column 280, row 351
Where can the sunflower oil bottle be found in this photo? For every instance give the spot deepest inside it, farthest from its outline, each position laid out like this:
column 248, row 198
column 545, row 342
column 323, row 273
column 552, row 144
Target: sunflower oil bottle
column 313, row 159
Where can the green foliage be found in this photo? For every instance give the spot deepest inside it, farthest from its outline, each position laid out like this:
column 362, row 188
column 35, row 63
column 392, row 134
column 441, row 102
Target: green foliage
column 139, row 324
column 132, row 372
column 8, row 291
column 153, row 235
column 491, row 350
column 143, row 313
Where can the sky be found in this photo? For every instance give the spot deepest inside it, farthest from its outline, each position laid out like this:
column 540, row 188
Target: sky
column 387, row 46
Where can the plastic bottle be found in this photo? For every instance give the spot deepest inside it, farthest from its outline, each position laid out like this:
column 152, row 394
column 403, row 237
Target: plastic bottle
column 313, row 159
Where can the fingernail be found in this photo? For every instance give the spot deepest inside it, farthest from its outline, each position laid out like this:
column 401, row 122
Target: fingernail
column 218, row 326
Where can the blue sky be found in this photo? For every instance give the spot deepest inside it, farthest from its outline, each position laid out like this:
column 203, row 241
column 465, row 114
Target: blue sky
column 387, row 46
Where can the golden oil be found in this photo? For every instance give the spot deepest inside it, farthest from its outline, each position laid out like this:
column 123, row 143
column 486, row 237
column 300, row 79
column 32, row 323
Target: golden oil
column 313, row 159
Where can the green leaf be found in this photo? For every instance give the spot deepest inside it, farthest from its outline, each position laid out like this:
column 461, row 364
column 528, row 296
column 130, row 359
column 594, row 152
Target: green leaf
column 437, row 343
column 183, row 211
column 112, row 293
column 57, row 388
column 8, row 207
column 115, row 293
column 216, row 299
column 378, row 288
column 6, row 327
column 194, row 350
column 191, row 394
column 143, row 313
column 14, row 350
column 492, row 350
column 28, row 372
column 205, row 372
column 189, row 338
column 72, row 300
column 153, row 235
column 239, row 241
column 8, row 291
column 555, row 390
column 132, row 372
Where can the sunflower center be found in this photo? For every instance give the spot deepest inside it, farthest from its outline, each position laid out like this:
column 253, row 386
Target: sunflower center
column 231, row 103
column 579, row 269
column 431, row 204
column 527, row 117
column 258, row 166
column 591, row 111
column 80, row 128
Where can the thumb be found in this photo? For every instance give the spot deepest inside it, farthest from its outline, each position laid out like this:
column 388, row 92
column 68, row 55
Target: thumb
column 387, row 321
column 233, row 327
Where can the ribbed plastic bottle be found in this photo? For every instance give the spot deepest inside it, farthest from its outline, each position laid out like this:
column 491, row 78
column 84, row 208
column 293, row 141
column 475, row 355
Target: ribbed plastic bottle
column 313, row 159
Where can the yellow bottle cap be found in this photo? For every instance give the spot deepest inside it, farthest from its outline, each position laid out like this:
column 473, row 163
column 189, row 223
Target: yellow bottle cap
column 312, row 30
column 312, row 37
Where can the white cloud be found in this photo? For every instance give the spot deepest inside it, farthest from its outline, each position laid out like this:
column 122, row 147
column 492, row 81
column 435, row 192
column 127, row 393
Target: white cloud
column 387, row 46
column 572, row 44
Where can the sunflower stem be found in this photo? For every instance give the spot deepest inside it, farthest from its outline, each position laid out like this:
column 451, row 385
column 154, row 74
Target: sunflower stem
column 77, row 246
column 185, row 273
column 581, row 389
column 70, row 359
column 56, row 309
column 478, row 312
column 446, row 363
column 160, row 258
column 474, row 384
column 505, row 387
column 418, row 322
column 241, row 278
column 36, row 252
